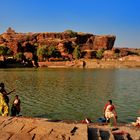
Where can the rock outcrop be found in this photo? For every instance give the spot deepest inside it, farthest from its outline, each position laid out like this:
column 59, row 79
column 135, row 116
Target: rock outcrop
column 97, row 42
column 64, row 42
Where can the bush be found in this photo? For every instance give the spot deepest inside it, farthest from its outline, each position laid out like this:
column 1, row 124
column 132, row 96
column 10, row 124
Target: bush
column 77, row 52
column 19, row 56
column 71, row 32
column 99, row 54
column 117, row 55
column 5, row 50
column 44, row 52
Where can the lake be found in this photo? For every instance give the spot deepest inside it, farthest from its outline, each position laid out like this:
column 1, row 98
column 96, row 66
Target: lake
column 73, row 94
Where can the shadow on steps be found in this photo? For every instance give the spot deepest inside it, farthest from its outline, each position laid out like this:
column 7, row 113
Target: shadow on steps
column 99, row 134
column 96, row 134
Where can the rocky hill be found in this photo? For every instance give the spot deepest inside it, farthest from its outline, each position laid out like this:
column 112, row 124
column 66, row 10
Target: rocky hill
column 63, row 43
column 22, row 49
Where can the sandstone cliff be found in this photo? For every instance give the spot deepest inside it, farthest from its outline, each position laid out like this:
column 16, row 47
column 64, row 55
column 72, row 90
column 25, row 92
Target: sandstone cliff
column 35, row 49
column 64, row 43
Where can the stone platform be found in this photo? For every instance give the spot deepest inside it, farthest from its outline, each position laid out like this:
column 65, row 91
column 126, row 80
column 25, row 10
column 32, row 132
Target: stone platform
column 23, row 128
column 19, row 128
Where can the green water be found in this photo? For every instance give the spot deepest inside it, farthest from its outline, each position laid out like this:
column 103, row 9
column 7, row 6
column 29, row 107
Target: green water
column 73, row 94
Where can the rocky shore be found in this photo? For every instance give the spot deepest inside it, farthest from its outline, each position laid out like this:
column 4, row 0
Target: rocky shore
column 124, row 62
column 21, row 128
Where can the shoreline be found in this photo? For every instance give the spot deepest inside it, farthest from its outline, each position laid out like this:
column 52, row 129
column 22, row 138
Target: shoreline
column 123, row 62
column 92, row 64
column 22, row 128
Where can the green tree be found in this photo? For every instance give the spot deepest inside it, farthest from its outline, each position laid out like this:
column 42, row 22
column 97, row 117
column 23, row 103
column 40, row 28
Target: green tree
column 71, row 32
column 99, row 54
column 5, row 50
column 77, row 52
column 42, row 52
column 51, row 51
column 45, row 52
column 19, row 56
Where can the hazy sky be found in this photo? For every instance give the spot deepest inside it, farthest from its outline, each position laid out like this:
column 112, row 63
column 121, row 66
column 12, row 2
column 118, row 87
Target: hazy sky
column 117, row 17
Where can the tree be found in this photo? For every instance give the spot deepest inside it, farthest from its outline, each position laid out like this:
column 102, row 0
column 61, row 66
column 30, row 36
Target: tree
column 51, row 51
column 5, row 50
column 71, row 32
column 42, row 52
column 77, row 52
column 19, row 56
column 99, row 54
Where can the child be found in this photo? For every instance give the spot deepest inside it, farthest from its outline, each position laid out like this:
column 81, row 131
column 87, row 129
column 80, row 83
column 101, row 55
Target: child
column 15, row 110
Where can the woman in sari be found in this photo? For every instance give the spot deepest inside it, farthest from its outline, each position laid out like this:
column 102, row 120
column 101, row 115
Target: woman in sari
column 110, row 112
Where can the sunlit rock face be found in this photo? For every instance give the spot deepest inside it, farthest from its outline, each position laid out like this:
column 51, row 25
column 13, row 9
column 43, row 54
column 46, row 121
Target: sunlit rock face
column 64, row 42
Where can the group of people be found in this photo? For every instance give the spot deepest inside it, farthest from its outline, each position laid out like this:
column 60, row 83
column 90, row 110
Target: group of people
column 109, row 109
column 4, row 102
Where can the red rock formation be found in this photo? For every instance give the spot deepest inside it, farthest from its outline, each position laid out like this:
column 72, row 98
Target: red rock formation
column 109, row 54
column 65, row 42
column 103, row 42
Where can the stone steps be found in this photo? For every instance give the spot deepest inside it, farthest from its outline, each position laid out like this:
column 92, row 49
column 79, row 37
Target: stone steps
column 23, row 128
column 20, row 128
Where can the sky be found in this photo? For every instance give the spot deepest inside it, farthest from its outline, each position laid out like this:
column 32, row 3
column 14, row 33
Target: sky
column 99, row 17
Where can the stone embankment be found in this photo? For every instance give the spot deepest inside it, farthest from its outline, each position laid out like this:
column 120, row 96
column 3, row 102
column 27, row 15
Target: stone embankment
column 21, row 128
column 124, row 62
